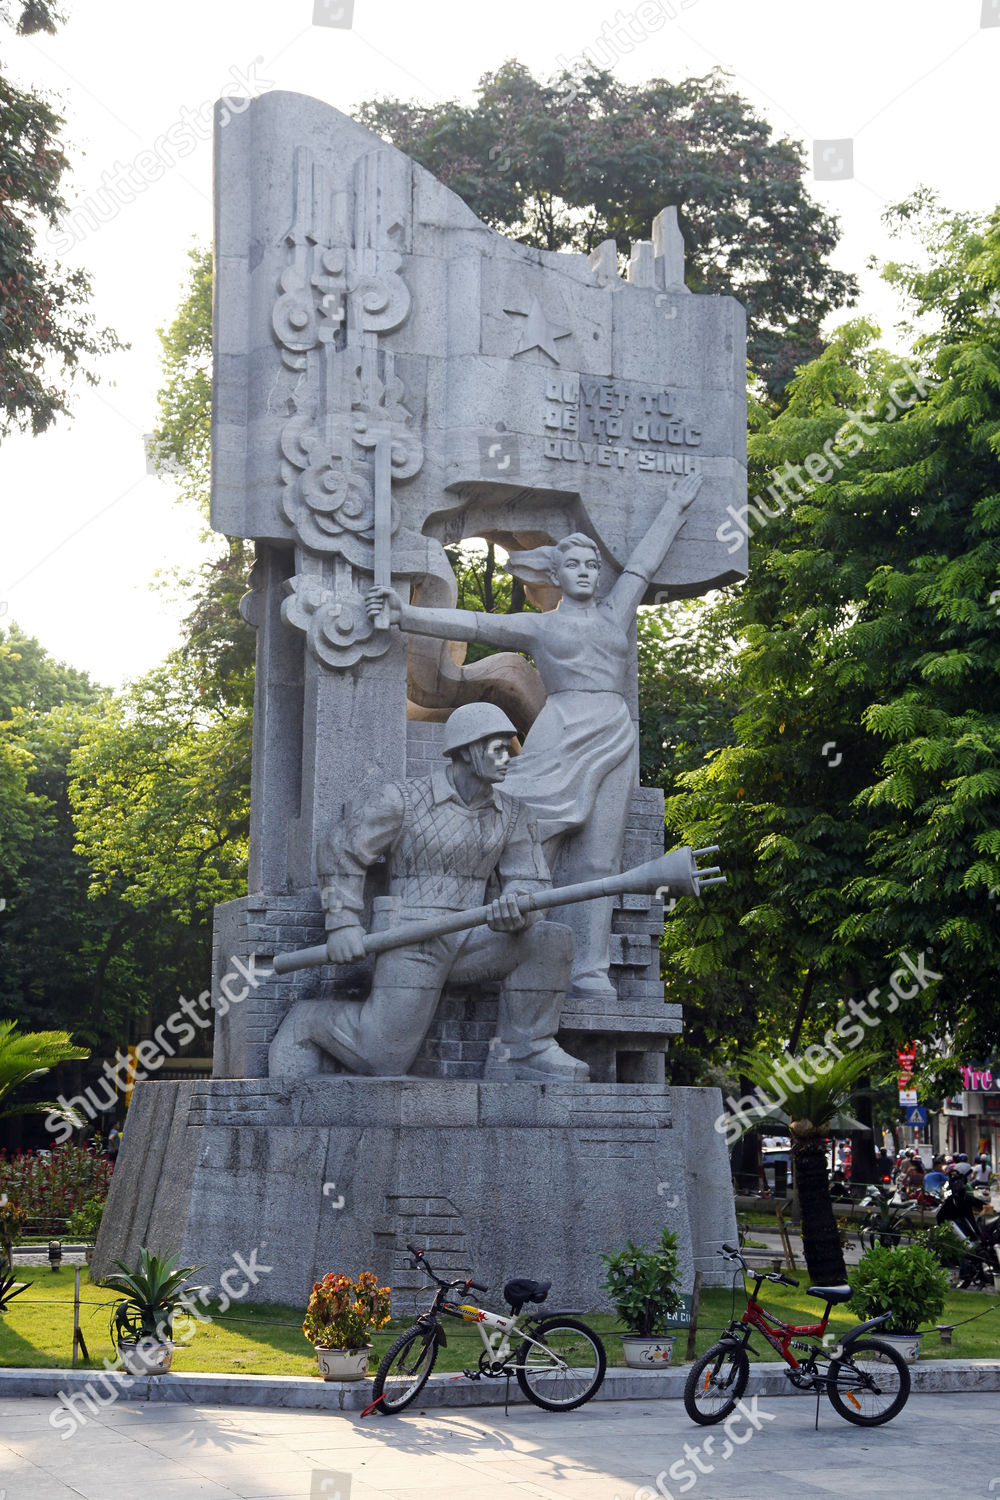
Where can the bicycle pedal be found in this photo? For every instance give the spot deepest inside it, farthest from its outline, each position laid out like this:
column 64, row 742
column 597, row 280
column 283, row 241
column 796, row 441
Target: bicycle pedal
column 471, row 1374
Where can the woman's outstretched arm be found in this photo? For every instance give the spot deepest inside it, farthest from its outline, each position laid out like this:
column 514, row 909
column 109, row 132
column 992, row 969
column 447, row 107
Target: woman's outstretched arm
column 627, row 594
column 512, row 632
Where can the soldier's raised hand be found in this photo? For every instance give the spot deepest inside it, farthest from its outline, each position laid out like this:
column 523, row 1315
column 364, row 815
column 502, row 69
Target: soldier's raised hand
column 377, row 597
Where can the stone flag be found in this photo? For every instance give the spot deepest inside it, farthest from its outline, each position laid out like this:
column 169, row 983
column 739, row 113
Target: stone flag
column 392, row 375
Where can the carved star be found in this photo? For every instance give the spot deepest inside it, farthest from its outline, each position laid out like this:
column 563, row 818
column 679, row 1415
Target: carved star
column 538, row 332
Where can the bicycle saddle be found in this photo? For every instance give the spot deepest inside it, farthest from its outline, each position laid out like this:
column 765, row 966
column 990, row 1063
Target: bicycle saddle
column 830, row 1293
column 520, row 1290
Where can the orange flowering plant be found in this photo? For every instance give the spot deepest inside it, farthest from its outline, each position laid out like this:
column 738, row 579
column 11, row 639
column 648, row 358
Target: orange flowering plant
column 343, row 1314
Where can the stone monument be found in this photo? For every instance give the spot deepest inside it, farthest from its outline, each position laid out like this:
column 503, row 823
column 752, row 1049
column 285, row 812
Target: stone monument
column 391, row 377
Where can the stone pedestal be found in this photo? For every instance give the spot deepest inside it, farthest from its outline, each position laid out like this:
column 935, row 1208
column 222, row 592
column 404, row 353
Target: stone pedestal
column 492, row 1179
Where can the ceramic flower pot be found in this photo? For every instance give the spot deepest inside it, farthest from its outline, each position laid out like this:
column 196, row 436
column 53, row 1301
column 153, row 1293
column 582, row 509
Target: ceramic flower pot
column 146, row 1356
column 343, row 1364
column 908, row 1344
column 648, row 1354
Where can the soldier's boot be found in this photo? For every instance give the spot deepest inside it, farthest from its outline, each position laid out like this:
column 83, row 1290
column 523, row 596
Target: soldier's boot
column 546, row 1062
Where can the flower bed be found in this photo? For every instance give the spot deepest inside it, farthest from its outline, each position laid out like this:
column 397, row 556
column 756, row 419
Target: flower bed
column 48, row 1186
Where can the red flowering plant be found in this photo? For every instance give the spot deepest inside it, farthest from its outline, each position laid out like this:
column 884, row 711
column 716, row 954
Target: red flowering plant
column 343, row 1314
column 50, row 1185
column 12, row 1221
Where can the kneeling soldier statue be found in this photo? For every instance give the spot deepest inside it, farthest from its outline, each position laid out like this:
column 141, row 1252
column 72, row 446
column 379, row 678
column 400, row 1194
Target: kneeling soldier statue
column 443, row 837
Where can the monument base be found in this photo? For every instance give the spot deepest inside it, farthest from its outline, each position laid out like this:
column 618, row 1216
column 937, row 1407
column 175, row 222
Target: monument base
column 337, row 1173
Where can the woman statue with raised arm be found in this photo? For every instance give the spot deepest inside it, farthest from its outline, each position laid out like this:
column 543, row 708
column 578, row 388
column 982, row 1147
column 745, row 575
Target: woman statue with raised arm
column 578, row 767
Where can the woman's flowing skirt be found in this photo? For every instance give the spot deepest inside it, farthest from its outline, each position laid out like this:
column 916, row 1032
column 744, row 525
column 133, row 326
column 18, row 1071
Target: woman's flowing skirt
column 577, row 739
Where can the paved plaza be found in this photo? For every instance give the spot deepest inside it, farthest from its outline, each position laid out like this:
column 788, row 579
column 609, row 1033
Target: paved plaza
column 938, row 1446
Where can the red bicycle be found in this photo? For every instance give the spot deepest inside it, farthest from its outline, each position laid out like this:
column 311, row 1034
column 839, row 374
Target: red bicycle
column 867, row 1381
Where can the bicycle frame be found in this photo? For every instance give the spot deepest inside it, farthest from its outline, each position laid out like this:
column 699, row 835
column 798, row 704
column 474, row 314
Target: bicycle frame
column 781, row 1335
column 509, row 1326
column 778, row 1333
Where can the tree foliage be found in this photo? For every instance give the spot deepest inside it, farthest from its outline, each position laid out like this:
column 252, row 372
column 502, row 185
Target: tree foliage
column 160, row 790
column 813, row 1099
column 29, row 1055
column 183, row 434
column 858, row 805
column 566, row 165
column 74, row 953
column 45, row 332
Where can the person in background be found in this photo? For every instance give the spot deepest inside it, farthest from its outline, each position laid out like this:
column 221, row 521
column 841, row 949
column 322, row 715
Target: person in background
column 935, row 1181
column 839, row 1191
column 913, row 1177
column 981, row 1171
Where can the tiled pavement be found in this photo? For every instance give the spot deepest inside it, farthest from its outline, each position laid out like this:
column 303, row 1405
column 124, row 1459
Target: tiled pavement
column 940, row 1445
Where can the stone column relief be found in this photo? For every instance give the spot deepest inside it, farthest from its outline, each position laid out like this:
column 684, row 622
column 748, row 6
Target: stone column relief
column 348, row 434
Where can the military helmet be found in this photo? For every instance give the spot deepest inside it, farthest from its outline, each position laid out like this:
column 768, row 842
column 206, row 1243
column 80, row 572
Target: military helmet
column 475, row 721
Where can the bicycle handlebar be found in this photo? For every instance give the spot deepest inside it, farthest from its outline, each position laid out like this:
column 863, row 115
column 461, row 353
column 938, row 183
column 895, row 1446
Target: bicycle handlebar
column 730, row 1252
column 420, row 1257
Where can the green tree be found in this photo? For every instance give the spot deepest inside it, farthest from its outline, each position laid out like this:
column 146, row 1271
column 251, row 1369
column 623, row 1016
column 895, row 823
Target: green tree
column 857, row 806
column 72, row 955
column 217, row 640
column 160, row 790
column 686, row 698
column 46, row 332
column 814, row 1099
column 182, row 438
column 564, row 166
column 25, row 1056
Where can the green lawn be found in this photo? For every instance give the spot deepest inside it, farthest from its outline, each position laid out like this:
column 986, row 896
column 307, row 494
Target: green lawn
column 38, row 1330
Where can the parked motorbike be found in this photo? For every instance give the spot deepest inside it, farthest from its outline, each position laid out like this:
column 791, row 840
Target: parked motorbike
column 886, row 1216
column 978, row 1231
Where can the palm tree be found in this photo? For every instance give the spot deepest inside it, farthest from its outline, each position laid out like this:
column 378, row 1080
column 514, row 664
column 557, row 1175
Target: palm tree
column 30, row 1054
column 811, row 1102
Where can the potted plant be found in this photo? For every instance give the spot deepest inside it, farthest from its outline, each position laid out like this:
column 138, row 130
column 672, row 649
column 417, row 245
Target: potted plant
column 905, row 1281
column 643, row 1285
column 84, row 1223
column 142, row 1318
column 341, row 1317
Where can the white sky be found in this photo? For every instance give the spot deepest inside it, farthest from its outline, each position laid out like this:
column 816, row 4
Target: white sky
column 83, row 528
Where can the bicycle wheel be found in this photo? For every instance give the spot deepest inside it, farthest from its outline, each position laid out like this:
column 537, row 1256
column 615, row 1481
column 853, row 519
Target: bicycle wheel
column 715, row 1383
column 403, row 1372
column 567, row 1371
column 870, row 1385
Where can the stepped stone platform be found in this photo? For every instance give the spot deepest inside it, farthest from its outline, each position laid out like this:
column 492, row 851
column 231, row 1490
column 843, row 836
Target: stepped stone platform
column 494, row 1178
